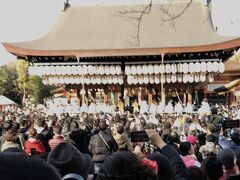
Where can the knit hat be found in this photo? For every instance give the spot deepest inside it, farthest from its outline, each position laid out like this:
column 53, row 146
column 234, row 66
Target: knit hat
column 191, row 139
column 226, row 157
column 68, row 159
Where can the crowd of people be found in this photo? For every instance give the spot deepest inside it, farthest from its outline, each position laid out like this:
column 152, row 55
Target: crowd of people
column 181, row 143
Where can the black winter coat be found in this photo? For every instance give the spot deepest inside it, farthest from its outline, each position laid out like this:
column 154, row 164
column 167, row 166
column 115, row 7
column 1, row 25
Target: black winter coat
column 99, row 149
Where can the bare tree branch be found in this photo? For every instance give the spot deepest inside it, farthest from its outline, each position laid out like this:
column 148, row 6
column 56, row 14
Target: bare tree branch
column 172, row 17
column 136, row 15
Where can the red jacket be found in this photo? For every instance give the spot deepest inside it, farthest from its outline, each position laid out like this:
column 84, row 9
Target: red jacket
column 37, row 144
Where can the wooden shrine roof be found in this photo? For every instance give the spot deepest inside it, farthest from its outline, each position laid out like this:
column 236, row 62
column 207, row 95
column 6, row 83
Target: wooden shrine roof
column 104, row 31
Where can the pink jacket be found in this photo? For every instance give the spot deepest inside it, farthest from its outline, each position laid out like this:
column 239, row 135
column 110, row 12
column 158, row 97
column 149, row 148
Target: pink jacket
column 190, row 161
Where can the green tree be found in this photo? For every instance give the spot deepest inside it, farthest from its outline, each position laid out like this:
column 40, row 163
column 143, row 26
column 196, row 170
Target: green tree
column 8, row 85
column 16, row 84
column 22, row 78
column 37, row 90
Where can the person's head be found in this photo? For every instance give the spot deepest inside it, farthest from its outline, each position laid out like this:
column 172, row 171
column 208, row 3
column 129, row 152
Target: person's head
column 143, row 121
column 102, row 125
column 68, row 159
column 213, row 168
column 10, row 136
column 40, row 122
column 186, row 148
column 174, row 137
column 226, row 157
column 22, row 122
column 165, row 171
column 21, row 167
column 191, row 139
column 7, row 125
column 196, row 173
column 15, row 127
column 125, row 166
column 74, row 125
column 32, row 133
column 167, row 125
column 211, row 128
column 211, row 138
column 214, row 111
column 201, row 138
column 120, row 128
column 235, row 137
column 57, row 130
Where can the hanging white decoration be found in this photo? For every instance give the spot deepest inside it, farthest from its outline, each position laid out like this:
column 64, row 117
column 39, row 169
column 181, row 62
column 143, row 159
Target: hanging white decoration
column 112, row 70
column 145, row 69
column 174, row 78
column 140, row 79
column 146, row 79
column 197, row 67
column 120, row 79
column 133, row 70
column 130, row 79
column 90, row 70
column 98, row 79
column 156, row 69
column 163, row 78
column 180, row 68
column 185, row 78
column 31, row 70
column 150, row 69
column 109, row 79
column 179, row 78
column 107, row 70
column 168, row 68
column 45, row 80
column 210, row 78
column 221, row 67
column 174, row 68
column 210, row 67
column 215, row 66
column 87, row 80
column 115, row 79
column 168, row 78
column 157, row 79
column 152, row 79
column 118, row 70
column 84, row 70
column 203, row 67
column 104, row 79
column 196, row 78
column 92, row 79
column 190, row 78
column 202, row 77
column 71, row 70
column 79, row 70
column 74, row 77
column 139, row 69
column 61, row 79
column 101, row 70
column 74, row 70
column 185, row 68
column 38, row 71
column 191, row 67
column 127, row 70
column 162, row 68
column 135, row 79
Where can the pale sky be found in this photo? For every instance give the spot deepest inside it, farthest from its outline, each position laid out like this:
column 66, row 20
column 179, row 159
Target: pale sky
column 25, row 20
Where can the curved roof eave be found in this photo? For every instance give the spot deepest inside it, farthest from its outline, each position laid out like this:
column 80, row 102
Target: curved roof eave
column 122, row 52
